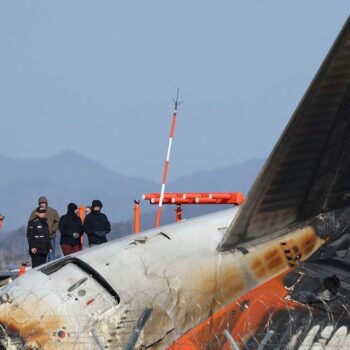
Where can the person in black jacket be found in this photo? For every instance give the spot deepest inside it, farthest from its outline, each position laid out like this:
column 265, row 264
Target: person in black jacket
column 38, row 238
column 96, row 225
column 2, row 217
column 71, row 229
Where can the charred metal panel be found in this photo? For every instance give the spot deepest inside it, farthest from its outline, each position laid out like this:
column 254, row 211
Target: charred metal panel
column 308, row 170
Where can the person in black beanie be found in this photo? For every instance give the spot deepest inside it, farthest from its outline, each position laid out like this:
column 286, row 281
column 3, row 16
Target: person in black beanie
column 38, row 238
column 71, row 229
column 96, row 225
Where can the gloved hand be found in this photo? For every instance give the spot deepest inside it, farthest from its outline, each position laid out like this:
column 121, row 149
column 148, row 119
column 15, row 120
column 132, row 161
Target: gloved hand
column 76, row 235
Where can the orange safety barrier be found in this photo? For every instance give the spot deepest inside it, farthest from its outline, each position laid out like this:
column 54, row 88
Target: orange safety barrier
column 156, row 200
column 179, row 198
column 235, row 198
column 196, row 200
column 216, row 201
column 181, row 201
column 192, row 195
column 167, row 195
column 220, row 195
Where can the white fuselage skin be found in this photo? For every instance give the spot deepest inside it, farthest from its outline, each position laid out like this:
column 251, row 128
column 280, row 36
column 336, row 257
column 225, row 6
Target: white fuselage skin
column 175, row 270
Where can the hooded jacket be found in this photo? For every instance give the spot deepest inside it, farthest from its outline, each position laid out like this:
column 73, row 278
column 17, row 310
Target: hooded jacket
column 70, row 226
column 51, row 215
column 96, row 226
column 38, row 235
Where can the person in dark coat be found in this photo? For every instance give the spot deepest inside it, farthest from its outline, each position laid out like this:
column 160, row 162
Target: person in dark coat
column 71, row 229
column 2, row 217
column 38, row 238
column 53, row 219
column 96, row 225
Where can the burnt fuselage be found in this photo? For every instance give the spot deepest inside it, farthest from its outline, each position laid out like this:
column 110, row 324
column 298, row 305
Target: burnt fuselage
column 97, row 296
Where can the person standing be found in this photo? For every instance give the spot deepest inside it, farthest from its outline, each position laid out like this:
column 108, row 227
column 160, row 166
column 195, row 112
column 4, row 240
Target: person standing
column 38, row 238
column 96, row 225
column 52, row 220
column 71, row 229
column 87, row 210
column 2, row 217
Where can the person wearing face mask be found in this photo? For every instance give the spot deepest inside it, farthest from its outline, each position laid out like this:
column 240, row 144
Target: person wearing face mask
column 38, row 238
column 96, row 225
column 71, row 229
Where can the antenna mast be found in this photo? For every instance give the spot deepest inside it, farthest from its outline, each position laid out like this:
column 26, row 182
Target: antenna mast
column 166, row 166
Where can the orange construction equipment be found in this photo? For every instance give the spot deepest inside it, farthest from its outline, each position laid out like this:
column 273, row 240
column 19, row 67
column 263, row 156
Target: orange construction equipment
column 180, row 198
column 136, row 216
column 168, row 195
column 235, row 198
column 82, row 217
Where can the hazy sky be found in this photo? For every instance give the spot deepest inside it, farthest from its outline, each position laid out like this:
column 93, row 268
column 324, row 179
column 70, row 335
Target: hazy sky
column 99, row 77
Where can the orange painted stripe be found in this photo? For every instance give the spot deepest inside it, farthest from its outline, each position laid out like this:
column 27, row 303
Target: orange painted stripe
column 165, row 171
column 159, row 212
column 173, row 126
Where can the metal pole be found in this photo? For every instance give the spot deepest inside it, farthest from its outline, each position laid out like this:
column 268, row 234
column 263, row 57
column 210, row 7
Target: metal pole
column 136, row 216
column 178, row 213
column 234, row 345
column 82, row 217
column 98, row 340
column 138, row 328
column 166, row 166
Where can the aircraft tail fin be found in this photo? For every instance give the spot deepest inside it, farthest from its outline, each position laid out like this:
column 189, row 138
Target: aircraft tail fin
column 308, row 171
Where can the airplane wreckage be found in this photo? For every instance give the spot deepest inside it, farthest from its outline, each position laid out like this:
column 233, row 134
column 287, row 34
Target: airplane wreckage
column 273, row 274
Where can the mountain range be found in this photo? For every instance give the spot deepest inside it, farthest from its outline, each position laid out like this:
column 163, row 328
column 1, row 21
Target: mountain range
column 69, row 176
